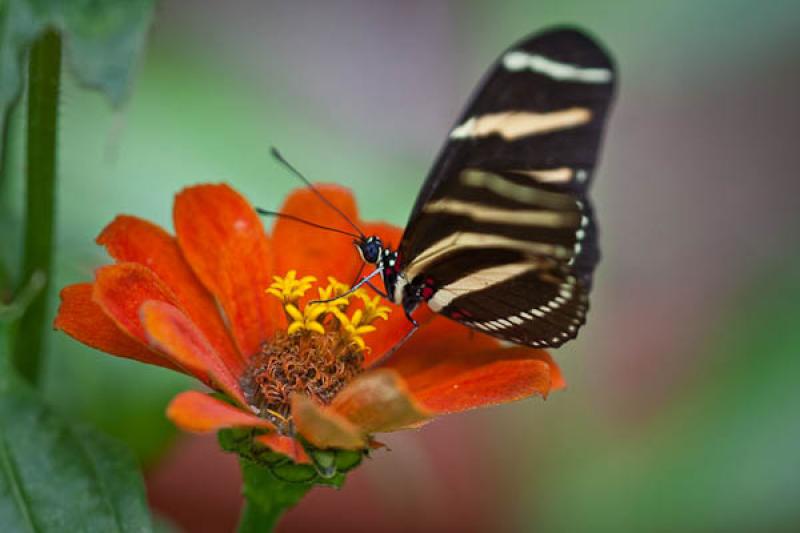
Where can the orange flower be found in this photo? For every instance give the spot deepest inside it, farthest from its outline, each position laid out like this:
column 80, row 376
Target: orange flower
column 227, row 303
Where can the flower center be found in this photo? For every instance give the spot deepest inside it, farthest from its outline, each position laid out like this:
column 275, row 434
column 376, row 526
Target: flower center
column 320, row 351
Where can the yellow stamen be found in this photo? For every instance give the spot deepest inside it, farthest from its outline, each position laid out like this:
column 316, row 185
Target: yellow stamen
column 313, row 317
column 354, row 327
column 277, row 415
column 306, row 320
column 289, row 289
column 373, row 308
column 337, row 286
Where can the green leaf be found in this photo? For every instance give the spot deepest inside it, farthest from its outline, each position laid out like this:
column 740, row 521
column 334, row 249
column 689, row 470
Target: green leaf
column 107, row 393
column 57, row 476
column 103, row 40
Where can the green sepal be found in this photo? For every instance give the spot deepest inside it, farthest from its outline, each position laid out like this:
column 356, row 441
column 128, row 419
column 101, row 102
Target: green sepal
column 329, row 466
column 240, row 441
column 271, row 489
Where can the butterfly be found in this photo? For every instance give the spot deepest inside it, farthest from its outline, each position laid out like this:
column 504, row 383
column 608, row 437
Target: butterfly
column 502, row 237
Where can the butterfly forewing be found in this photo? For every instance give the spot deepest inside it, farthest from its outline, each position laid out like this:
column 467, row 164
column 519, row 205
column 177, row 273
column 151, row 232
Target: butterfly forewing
column 503, row 225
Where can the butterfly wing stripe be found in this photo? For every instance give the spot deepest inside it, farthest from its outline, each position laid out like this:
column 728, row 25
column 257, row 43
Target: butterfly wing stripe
column 456, row 242
column 556, row 176
column 518, row 60
column 512, row 125
column 438, row 226
column 478, row 212
column 474, row 281
column 523, row 193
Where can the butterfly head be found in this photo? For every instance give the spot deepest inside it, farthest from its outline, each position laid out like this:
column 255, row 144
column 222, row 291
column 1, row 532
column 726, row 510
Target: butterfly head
column 370, row 248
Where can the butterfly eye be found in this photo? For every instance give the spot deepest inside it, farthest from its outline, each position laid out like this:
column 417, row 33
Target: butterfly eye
column 370, row 250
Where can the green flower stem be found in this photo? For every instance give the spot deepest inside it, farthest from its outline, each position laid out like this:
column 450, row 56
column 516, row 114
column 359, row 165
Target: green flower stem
column 267, row 497
column 43, row 86
column 5, row 151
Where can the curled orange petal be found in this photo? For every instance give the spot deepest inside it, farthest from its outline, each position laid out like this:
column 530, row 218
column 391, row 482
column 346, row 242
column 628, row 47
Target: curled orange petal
column 82, row 319
column 323, row 427
column 379, row 401
column 201, row 413
column 173, row 333
column 121, row 289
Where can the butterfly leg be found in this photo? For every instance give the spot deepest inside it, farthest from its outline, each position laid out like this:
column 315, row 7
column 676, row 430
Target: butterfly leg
column 409, row 306
column 411, row 319
column 377, row 290
column 385, row 357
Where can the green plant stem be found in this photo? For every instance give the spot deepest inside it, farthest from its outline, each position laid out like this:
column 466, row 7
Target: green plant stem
column 267, row 498
column 5, row 151
column 44, row 76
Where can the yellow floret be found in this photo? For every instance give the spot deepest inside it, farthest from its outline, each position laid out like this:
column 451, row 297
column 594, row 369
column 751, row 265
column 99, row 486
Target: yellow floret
column 373, row 308
column 289, row 289
column 307, row 320
column 312, row 317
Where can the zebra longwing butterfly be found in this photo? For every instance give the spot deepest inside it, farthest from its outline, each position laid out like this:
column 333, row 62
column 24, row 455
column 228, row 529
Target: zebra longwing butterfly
column 502, row 237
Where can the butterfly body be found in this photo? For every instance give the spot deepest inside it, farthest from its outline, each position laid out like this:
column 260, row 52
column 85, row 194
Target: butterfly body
column 502, row 237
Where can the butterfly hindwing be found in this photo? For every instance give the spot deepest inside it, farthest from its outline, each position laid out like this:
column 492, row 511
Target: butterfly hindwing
column 503, row 225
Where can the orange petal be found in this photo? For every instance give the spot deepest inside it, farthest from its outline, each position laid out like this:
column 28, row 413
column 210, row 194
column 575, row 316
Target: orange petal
column 82, row 319
column 313, row 251
column 379, row 401
column 435, row 344
column 286, row 446
column 501, row 381
column 224, row 242
column 135, row 240
column 557, row 381
column 173, row 333
column 201, row 413
column 323, row 427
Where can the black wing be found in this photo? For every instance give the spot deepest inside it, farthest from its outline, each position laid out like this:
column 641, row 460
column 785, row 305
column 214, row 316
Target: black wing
column 503, row 224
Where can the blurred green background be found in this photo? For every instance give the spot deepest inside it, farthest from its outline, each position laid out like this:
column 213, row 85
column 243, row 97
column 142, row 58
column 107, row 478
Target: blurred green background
column 681, row 411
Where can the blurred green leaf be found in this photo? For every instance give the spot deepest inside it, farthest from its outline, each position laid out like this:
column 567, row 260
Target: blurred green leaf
column 123, row 398
column 56, row 476
column 103, row 39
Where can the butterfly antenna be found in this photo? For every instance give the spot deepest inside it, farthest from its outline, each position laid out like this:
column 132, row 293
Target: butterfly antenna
column 277, row 155
column 304, row 221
